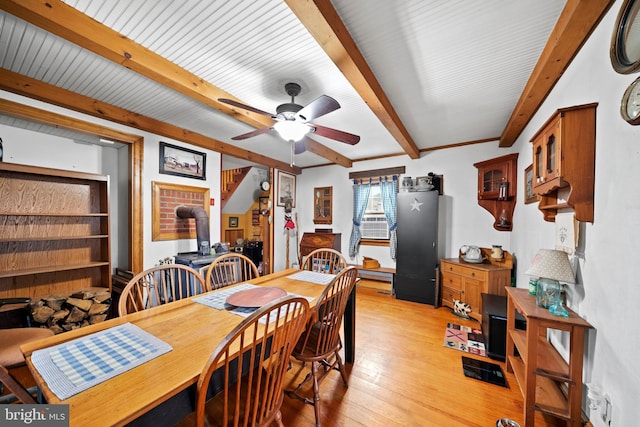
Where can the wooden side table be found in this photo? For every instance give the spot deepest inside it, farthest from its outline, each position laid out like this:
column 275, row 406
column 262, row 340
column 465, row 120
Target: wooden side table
column 540, row 370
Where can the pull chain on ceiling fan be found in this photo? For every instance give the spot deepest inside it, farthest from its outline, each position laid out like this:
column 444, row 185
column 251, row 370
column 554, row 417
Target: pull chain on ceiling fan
column 293, row 120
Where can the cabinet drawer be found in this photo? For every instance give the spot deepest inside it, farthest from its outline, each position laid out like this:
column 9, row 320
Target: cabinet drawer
column 450, row 294
column 450, row 280
column 463, row 270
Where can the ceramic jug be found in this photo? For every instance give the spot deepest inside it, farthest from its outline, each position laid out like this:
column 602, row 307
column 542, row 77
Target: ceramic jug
column 473, row 252
column 497, row 252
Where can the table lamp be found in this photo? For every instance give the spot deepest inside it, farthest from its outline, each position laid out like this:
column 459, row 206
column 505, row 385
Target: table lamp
column 551, row 267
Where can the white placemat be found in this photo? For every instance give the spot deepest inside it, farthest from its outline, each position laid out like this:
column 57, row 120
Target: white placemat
column 77, row 365
column 313, row 277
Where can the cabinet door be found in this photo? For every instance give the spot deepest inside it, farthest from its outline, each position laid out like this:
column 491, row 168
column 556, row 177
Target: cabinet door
column 546, row 154
column 322, row 205
column 471, row 294
column 490, row 179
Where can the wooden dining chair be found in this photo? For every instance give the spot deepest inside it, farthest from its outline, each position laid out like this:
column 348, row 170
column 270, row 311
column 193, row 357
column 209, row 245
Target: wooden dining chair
column 12, row 359
column 230, row 268
column 324, row 260
column 160, row 285
column 242, row 382
column 320, row 342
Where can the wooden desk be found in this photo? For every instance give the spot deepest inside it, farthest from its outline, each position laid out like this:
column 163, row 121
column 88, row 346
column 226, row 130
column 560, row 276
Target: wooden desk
column 193, row 330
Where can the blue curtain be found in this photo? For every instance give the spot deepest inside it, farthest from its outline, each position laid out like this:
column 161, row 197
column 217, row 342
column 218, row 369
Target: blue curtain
column 360, row 199
column 389, row 192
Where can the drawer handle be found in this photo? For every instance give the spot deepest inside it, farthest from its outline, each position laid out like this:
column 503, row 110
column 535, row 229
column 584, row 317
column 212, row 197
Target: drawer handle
column 473, row 274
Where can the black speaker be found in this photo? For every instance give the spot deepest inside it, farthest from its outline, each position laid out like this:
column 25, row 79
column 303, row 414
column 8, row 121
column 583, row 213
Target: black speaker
column 494, row 325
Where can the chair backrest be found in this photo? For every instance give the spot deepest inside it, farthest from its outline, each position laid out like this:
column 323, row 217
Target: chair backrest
column 160, row 285
column 252, row 395
column 324, row 260
column 322, row 333
column 230, row 268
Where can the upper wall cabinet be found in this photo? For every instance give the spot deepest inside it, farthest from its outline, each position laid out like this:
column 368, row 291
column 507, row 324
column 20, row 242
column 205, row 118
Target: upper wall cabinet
column 564, row 157
column 497, row 186
column 322, row 205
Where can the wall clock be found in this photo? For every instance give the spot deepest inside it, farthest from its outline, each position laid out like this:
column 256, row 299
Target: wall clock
column 630, row 105
column 625, row 43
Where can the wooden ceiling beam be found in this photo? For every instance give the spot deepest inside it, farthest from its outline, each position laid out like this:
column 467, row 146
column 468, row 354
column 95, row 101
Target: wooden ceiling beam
column 36, row 89
column 324, row 24
column 69, row 23
column 576, row 22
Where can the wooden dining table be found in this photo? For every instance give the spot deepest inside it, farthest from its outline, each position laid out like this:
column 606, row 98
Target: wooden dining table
column 162, row 391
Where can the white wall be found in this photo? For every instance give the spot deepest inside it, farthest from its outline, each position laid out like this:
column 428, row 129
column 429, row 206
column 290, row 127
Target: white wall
column 606, row 294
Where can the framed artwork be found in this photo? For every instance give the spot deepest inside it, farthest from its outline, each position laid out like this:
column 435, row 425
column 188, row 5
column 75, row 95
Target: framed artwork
column 529, row 197
column 286, row 190
column 233, row 222
column 165, row 199
column 181, row 161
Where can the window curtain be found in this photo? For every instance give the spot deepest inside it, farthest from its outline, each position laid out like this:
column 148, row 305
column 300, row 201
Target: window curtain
column 389, row 192
column 360, row 198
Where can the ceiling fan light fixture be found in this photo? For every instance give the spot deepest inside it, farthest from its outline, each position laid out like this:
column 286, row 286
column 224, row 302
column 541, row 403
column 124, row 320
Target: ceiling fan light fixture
column 291, row 130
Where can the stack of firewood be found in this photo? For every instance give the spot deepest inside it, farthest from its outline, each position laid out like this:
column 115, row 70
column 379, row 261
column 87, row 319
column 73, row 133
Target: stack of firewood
column 62, row 313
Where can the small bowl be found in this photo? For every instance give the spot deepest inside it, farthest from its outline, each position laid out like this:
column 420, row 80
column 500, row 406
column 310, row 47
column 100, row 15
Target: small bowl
column 506, row 422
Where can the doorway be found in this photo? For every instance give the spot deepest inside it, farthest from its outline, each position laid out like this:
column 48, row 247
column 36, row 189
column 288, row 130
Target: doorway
column 246, row 210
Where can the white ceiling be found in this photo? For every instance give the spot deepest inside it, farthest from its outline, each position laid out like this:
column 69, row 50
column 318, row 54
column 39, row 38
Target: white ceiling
column 452, row 70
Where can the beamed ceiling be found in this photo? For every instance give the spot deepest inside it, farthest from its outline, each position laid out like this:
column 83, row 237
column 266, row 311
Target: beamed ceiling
column 410, row 76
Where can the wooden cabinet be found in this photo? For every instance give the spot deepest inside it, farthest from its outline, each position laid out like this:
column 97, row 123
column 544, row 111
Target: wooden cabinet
column 548, row 383
column 322, row 205
column 317, row 240
column 564, row 158
column 497, row 188
column 54, row 231
column 466, row 282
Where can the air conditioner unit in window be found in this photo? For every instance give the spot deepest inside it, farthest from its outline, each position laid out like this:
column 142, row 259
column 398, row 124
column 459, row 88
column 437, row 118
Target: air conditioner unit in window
column 374, row 227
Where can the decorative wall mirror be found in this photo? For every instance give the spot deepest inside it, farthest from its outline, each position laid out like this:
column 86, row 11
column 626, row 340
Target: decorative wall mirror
column 625, row 43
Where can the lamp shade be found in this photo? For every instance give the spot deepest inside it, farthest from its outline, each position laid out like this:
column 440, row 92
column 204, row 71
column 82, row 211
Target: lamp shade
column 291, row 130
column 551, row 264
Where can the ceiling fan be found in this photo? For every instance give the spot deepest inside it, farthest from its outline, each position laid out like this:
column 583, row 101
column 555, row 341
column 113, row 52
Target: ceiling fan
column 293, row 120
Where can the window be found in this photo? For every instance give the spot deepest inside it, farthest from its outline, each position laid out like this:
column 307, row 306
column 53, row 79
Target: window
column 374, row 224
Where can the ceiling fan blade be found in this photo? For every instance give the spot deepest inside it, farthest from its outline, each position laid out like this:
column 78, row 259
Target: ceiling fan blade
column 300, row 147
column 318, row 107
column 250, row 134
column 244, row 107
column 338, row 135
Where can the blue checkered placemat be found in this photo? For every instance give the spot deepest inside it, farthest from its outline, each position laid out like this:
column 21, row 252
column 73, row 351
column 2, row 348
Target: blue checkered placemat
column 313, row 277
column 218, row 299
column 79, row 364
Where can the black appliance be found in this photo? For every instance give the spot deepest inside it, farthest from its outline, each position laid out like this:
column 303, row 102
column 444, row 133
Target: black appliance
column 417, row 250
column 494, row 325
column 253, row 250
column 196, row 261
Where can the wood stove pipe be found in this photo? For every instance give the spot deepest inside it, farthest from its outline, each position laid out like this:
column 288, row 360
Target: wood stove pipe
column 202, row 226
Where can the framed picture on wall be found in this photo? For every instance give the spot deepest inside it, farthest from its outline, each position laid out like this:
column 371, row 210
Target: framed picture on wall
column 181, row 161
column 233, row 222
column 286, row 189
column 529, row 197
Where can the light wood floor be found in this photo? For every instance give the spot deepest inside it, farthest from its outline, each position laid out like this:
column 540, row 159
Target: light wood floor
column 404, row 376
